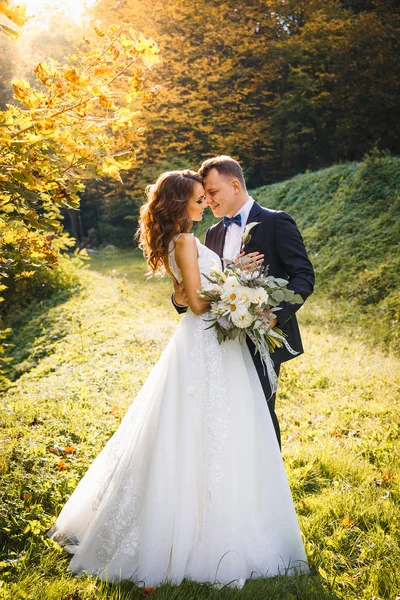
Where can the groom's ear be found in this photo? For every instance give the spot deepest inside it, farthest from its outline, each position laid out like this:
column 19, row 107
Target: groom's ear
column 236, row 186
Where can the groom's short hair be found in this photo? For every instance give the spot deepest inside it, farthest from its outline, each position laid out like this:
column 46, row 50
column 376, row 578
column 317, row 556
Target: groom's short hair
column 226, row 165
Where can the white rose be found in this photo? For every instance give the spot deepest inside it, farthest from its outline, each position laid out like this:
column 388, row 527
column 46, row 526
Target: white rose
column 242, row 317
column 260, row 296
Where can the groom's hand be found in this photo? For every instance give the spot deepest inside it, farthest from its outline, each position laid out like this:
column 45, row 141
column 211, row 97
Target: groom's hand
column 249, row 261
column 180, row 296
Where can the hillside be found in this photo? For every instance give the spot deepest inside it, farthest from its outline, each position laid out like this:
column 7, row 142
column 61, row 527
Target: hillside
column 349, row 216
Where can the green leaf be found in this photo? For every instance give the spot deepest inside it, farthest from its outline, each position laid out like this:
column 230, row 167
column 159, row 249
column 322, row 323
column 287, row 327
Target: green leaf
column 281, row 282
column 278, row 295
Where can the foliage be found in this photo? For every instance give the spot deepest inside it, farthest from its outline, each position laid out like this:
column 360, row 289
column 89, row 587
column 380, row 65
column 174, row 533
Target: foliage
column 80, row 127
column 81, row 122
column 281, row 86
column 83, row 362
column 16, row 14
column 349, row 216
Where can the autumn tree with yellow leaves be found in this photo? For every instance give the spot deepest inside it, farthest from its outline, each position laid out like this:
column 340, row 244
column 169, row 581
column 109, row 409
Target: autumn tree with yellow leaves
column 81, row 121
column 281, row 86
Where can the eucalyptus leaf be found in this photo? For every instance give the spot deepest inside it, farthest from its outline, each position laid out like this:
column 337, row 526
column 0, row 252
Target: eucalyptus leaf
column 281, row 282
column 289, row 295
column 278, row 295
column 298, row 299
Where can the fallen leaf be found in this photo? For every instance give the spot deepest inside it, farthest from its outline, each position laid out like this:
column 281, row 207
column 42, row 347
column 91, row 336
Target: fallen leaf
column 69, row 450
column 61, row 466
column 337, row 434
column 389, row 475
column 347, row 522
column 26, row 496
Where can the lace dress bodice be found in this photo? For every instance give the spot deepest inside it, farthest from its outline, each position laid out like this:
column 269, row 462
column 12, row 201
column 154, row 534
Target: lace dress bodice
column 207, row 259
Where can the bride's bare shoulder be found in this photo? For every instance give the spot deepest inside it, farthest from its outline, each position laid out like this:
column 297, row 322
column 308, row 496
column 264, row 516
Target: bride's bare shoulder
column 185, row 250
column 185, row 240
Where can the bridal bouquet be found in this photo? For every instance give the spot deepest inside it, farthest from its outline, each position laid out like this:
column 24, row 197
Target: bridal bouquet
column 241, row 301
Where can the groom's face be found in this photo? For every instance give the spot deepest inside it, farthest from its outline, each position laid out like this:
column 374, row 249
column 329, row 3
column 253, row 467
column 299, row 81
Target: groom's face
column 221, row 193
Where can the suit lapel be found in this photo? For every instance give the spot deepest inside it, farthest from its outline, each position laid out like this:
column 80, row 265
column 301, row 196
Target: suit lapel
column 220, row 240
column 253, row 214
column 215, row 241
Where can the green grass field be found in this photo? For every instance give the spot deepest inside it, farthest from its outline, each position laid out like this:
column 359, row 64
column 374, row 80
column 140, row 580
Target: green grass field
column 80, row 360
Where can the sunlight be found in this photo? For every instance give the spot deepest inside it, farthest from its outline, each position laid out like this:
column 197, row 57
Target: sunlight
column 74, row 9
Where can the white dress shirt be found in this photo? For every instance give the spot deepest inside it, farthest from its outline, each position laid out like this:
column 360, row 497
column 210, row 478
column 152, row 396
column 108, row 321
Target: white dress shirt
column 234, row 233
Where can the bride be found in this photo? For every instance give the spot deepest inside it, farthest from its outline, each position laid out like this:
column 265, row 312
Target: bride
column 192, row 483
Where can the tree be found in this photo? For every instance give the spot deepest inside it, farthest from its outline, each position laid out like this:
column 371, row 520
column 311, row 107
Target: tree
column 281, row 86
column 81, row 122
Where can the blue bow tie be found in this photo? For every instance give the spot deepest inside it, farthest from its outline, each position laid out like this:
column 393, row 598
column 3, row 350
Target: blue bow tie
column 236, row 219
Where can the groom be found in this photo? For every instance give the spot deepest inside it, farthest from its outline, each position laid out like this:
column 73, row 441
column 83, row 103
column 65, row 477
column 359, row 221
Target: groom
column 276, row 237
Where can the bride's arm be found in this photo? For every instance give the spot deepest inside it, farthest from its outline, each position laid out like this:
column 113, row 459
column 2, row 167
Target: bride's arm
column 186, row 259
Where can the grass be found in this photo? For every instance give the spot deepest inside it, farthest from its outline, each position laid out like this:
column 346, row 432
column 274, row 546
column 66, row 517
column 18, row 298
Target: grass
column 80, row 360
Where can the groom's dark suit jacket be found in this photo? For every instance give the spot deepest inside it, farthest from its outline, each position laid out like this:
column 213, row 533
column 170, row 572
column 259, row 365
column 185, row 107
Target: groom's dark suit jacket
column 278, row 238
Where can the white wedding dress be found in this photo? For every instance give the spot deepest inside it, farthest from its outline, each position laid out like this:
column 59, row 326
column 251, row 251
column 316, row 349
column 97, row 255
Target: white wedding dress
column 192, row 484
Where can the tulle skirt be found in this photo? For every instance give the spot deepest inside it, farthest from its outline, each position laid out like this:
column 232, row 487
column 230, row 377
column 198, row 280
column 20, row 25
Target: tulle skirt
column 192, row 483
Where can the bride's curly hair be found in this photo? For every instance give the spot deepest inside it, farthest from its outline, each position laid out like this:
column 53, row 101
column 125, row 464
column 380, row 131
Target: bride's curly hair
column 165, row 215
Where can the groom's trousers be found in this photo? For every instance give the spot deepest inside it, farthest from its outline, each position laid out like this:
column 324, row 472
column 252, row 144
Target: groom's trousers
column 266, row 387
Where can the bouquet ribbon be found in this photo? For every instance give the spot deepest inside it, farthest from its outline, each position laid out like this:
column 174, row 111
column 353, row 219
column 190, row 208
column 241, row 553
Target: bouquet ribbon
column 261, row 346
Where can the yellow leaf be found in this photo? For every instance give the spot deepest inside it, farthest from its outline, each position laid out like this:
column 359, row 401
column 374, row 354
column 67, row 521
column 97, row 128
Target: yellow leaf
column 16, row 14
column 25, row 94
column 110, row 168
column 71, row 75
column 102, row 70
column 105, row 102
column 10, row 32
column 42, row 73
column 24, row 275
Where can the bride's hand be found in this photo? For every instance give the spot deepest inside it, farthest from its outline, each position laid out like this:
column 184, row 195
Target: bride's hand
column 270, row 315
column 250, row 261
column 180, row 296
